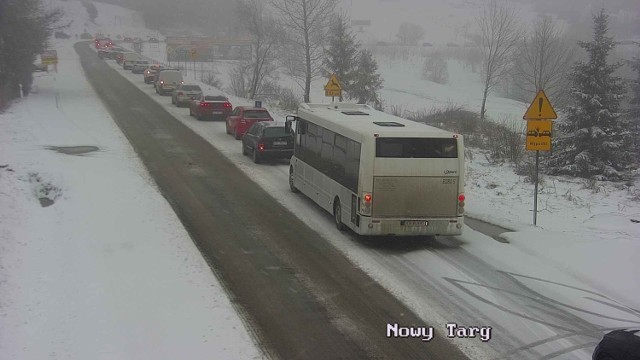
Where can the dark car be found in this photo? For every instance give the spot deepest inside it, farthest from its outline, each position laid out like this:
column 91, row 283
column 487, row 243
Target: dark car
column 150, row 73
column 267, row 139
column 242, row 117
column 210, row 106
column 619, row 345
column 153, row 40
column 112, row 53
column 128, row 40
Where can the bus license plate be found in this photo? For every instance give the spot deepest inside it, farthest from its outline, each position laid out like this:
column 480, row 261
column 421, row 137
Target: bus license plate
column 415, row 223
column 279, row 143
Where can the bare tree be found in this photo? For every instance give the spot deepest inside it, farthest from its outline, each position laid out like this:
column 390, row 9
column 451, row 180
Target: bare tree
column 543, row 61
column 308, row 21
column 265, row 35
column 410, row 34
column 500, row 36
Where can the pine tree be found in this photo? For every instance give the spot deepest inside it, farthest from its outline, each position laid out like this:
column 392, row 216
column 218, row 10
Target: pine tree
column 342, row 52
column 594, row 132
column 366, row 81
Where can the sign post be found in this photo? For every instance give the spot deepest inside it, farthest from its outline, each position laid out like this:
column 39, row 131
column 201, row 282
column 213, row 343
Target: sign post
column 50, row 57
column 333, row 88
column 539, row 131
column 194, row 53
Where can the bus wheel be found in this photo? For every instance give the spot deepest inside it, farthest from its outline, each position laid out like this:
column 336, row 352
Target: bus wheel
column 291, row 186
column 337, row 215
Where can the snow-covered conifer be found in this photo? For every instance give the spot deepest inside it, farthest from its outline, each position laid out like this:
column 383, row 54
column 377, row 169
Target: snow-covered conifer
column 593, row 133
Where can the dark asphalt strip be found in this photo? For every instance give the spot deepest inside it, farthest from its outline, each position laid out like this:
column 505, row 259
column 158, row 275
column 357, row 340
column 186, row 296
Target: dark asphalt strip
column 302, row 298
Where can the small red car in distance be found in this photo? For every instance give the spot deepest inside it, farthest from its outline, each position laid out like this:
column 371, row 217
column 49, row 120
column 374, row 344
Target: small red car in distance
column 242, row 117
column 103, row 43
column 210, row 106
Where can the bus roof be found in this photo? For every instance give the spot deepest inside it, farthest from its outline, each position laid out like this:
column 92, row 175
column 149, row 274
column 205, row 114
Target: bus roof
column 363, row 120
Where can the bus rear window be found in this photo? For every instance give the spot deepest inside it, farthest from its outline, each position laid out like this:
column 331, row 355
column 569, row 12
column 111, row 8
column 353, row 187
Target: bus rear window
column 406, row 148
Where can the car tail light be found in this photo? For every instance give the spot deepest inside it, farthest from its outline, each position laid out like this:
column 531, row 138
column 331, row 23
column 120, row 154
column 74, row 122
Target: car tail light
column 461, row 204
column 181, row 82
column 161, row 82
column 261, row 147
column 180, row 94
column 367, row 200
column 227, row 105
column 203, row 104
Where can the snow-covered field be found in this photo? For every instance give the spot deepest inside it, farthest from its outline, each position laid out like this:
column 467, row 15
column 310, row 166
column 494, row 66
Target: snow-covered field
column 583, row 252
column 106, row 270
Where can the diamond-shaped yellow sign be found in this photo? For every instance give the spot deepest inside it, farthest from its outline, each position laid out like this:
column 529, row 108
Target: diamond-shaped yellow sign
column 540, row 108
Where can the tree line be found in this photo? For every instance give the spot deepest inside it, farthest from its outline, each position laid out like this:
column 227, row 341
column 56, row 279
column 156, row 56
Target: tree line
column 25, row 28
column 308, row 40
column 595, row 137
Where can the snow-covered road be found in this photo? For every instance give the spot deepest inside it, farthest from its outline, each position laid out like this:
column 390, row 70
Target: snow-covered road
column 535, row 306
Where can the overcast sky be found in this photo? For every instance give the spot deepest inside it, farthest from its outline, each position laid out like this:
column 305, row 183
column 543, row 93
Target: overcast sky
column 445, row 20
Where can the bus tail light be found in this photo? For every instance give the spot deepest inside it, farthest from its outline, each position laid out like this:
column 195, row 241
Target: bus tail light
column 367, row 200
column 461, row 204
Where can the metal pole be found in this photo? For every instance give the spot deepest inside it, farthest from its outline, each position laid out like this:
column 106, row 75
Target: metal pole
column 535, row 194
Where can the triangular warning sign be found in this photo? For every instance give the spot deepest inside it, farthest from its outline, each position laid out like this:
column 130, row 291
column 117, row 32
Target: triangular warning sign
column 540, row 108
column 333, row 84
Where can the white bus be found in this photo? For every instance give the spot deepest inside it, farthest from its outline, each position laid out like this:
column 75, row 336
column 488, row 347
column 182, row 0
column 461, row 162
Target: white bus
column 376, row 173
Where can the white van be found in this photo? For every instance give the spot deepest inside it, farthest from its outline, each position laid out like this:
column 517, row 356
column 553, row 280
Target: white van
column 168, row 80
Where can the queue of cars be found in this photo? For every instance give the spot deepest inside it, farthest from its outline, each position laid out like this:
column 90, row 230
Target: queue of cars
column 262, row 138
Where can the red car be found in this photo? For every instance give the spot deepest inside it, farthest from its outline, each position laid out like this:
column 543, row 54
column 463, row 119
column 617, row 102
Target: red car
column 210, row 106
column 103, row 43
column 242, row 117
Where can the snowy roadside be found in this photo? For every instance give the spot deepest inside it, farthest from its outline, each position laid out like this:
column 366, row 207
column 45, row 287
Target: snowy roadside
column 105, row 270
column 580, row 231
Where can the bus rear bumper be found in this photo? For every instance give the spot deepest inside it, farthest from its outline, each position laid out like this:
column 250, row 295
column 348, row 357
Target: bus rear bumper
column 397, row 227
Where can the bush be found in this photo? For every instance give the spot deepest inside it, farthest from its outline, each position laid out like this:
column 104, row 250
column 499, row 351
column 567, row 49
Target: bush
column 435, row 68
column 211, row 78
column 286, row 98
column 239, row 81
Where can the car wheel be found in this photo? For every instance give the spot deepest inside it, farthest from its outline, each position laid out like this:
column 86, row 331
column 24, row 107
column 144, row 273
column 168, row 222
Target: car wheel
column 190, row 111
column 199, row 116
column 337, row 215
column 236, row 135
column 291, row 186
column 256, row 156
column 226, row 125
column 244, row 149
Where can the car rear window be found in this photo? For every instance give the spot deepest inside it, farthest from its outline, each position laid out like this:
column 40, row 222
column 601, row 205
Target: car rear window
column 405, row 148
column 191, row 88
column 256, row 114
column 274, row 131
column 215, row 98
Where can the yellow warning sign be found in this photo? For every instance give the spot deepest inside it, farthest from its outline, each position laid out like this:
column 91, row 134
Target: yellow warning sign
column 540, row 108
column 333, row 87
column 539, row 135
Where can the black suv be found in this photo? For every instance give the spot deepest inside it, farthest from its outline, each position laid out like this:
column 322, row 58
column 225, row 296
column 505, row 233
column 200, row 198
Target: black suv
column 267, row 139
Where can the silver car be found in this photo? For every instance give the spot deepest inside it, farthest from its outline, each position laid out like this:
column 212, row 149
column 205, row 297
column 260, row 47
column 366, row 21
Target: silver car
column 139, row 66
column 185, row 93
